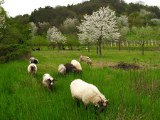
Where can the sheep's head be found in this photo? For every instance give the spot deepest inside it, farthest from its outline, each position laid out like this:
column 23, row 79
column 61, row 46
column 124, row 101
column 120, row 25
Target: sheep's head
column 102, row 104
column 36, row 61
column 50, row 82
column 89, row 61
column 33, row 68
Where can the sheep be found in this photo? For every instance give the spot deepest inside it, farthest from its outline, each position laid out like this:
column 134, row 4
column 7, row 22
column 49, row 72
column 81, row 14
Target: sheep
column 32, row 68
column 48, row 81
column 33, row 60
column 85, row 59
column 88, row 93
column 61, row 69
column 77, row 65
column 71, row 68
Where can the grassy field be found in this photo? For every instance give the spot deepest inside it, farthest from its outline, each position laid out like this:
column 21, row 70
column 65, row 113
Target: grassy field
column 133, row 94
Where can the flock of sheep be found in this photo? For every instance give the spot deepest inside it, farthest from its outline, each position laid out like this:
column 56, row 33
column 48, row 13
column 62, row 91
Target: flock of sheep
column 80, row 90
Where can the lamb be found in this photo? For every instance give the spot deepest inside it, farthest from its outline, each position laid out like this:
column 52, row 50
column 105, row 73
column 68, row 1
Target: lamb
column 85, row 59
column 88, row 93
column 48, row 81
column 77, row 65
column 32, row 68
column 33, row 60
column 61, row 69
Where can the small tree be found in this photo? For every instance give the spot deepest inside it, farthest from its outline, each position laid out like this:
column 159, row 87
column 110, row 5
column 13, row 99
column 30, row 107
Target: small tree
column 99, row 27
column 69, row 26
column 55, row 37
column 3, row 24
column 33, row 29
column 124, row 29
column 42, row 28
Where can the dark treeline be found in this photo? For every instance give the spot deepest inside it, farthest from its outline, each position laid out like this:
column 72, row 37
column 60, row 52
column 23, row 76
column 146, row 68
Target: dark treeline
column 56, row 16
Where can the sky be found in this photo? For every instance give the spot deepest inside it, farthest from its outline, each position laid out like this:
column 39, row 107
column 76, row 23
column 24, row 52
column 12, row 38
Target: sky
column 21, row 7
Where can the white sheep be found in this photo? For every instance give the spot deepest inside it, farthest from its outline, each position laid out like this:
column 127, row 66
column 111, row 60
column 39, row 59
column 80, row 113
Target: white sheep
column 77, row 65
column 33, row 60
column 85, row 59
column 32, row 68
column 88, row 93
column 61, row 69
column 48, row 81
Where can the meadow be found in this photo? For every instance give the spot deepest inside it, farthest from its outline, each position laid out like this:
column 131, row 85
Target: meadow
column 133, row 94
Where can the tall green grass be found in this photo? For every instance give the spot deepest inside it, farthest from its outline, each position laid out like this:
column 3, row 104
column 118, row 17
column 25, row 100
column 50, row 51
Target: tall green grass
column 133, row 94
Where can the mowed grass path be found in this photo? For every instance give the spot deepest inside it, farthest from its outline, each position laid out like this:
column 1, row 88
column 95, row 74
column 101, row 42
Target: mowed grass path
column 133, row 94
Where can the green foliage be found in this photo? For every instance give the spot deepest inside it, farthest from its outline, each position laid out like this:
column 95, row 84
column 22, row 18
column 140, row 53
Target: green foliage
column 144, row 33
column 72, row 40
column 12, row 52
column 38, row 41
column 22, row 23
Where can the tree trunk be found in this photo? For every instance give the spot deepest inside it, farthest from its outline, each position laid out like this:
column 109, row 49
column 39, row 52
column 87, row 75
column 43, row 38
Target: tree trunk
column 88, row 47
column 142, row 47
column 100, row 47
column 97, row 48
column 129, row 49
column 119, row 45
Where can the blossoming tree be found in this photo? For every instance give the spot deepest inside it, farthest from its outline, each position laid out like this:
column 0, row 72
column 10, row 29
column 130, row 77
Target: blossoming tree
column 99, row 27
column 33, row 29
column 3, row 24
column 55, row 37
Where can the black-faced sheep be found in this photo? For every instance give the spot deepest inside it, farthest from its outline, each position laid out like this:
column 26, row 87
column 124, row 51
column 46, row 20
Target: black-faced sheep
column 48, row 81
column 77, row 65
column 33, row 60
column 88, row 93
column 32, row 68
column 85, row 59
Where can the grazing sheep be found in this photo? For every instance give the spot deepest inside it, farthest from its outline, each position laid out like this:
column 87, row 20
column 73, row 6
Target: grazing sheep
column 33, row 60
column 48, row 81
column 77, row 65
column 88, row 93
column 32, row 68
column 61, row 69
column 85, row 59
column 71, row 68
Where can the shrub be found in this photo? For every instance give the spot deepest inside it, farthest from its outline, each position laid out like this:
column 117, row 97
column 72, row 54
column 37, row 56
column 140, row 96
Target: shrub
column 12, row 52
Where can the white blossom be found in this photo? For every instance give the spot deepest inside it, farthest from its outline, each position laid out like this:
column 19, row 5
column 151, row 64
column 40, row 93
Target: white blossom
column 55, row 36
column 100, row 24
column 122, row 21
column 2, row 21
column 33, row 29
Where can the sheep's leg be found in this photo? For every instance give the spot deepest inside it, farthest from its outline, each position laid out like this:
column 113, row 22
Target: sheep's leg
column 77, row 102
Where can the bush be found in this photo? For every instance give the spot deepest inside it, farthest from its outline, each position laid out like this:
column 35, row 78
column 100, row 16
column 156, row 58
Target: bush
column 12, row 52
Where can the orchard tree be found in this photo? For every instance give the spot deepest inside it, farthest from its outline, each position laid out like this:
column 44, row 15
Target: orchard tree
column 99, row 27
column 69, row 25
column 123, row 28
column 55, row 37
column 42, row 28
column 3, row 24
column 33, row 29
